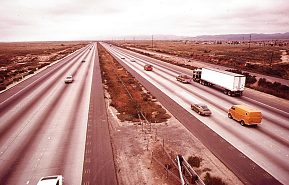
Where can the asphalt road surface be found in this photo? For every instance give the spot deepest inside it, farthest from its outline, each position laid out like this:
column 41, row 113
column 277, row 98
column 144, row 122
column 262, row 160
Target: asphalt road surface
column 257, row 155
column 43, row 124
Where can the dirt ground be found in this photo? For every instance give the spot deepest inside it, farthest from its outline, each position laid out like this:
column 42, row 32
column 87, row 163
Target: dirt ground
column 144, row 150
column 21, row 59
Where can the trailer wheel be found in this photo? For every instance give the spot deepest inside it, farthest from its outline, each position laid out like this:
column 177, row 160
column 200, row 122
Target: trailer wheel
column 242, row 123
column 225, row 92
column 229, row 93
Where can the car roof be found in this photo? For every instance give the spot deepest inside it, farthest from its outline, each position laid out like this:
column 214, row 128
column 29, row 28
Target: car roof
column 200, row 104
column 49, row 180
column 246, row 108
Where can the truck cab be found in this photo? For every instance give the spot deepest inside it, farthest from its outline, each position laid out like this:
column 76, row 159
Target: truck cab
column 197, row 75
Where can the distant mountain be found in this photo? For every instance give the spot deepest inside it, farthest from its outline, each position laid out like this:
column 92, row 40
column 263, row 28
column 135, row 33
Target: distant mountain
column 226, row 37
column 150, row 37
column 240, row 37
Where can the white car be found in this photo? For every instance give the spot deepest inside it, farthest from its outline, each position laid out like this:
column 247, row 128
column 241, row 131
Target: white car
column 68, row 79
column 51, row 180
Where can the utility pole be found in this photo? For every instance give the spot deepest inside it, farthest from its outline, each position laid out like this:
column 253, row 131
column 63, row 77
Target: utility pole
column 271, row 58
column 250, row 42
column 152, row 41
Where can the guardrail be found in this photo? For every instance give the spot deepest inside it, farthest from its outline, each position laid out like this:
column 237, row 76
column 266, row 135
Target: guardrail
column 185, row 170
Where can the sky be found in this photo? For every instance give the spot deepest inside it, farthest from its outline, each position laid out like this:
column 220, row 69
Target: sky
column 44, row 20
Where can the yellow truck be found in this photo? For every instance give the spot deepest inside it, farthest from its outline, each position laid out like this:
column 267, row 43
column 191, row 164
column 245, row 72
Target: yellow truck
column 245, row 115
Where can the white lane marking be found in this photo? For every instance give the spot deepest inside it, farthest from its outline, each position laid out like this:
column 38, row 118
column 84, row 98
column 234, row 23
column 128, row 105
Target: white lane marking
column 267, row 105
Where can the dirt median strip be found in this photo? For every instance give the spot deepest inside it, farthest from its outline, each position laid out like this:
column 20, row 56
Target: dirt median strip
column 144, row 153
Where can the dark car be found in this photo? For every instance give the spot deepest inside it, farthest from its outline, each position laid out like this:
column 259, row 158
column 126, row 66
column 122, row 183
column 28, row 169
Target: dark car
column 201, row 109
column 148, row 67
column 184, row 78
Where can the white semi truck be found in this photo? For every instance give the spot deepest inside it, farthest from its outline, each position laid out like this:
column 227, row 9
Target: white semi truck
column 232, row 84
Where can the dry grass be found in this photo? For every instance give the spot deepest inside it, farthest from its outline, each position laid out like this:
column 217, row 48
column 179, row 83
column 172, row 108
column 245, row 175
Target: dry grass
column 128, row 96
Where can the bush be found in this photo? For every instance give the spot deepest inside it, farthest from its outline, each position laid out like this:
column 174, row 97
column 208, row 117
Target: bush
column 209, row 180
column 275, row 88
column 31, row 72
column 195, row 161
column 2, row 87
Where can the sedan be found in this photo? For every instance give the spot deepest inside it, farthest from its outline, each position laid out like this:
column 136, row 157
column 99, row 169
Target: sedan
column 184, row 78
column 148, row 67
column 68, row 79
column 201, row 109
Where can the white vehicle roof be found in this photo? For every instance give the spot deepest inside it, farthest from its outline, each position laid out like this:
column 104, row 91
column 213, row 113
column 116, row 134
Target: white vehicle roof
column 49, row 180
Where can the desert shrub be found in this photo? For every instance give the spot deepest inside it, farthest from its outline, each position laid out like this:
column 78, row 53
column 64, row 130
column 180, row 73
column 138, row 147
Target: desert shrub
column 275, row 88
column 195, row 161
column 31, row 72
column 209, row 180
column 2, row 87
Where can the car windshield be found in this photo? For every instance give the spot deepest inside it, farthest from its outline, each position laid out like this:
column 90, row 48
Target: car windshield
column 204, row 107
column 185, row 76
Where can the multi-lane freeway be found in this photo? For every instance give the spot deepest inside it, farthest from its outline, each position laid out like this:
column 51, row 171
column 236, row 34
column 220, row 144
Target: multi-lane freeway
column 260, row 154
column 48, row 127
column 44, row 124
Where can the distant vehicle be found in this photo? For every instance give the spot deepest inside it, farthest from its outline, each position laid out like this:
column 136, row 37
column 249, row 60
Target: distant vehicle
column 83, row 61
column 132, row 60
column 245, row 115
column 184, row 78
column 68, row 79
column 232, row 84
column 148, row 67
column 122, row 57
column 201, row 109
column 51, row 180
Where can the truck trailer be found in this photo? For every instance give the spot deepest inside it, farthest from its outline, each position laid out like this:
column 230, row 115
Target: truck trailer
column 232, row 84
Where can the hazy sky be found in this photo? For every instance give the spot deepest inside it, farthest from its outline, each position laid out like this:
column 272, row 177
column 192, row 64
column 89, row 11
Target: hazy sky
column 25, row 20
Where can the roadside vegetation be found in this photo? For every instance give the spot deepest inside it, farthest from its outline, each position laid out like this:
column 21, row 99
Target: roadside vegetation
column 263, row 57
column 20, row 59
column 151, row 157
column 265, row 86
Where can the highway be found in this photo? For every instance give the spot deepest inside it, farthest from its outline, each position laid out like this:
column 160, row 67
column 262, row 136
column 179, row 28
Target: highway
column 43, row 125
column 265, row 147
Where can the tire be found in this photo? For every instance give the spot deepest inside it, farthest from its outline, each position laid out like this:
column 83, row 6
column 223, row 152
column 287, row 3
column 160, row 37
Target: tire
column 242, row 123
column 199, row 112
column 230, row 116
